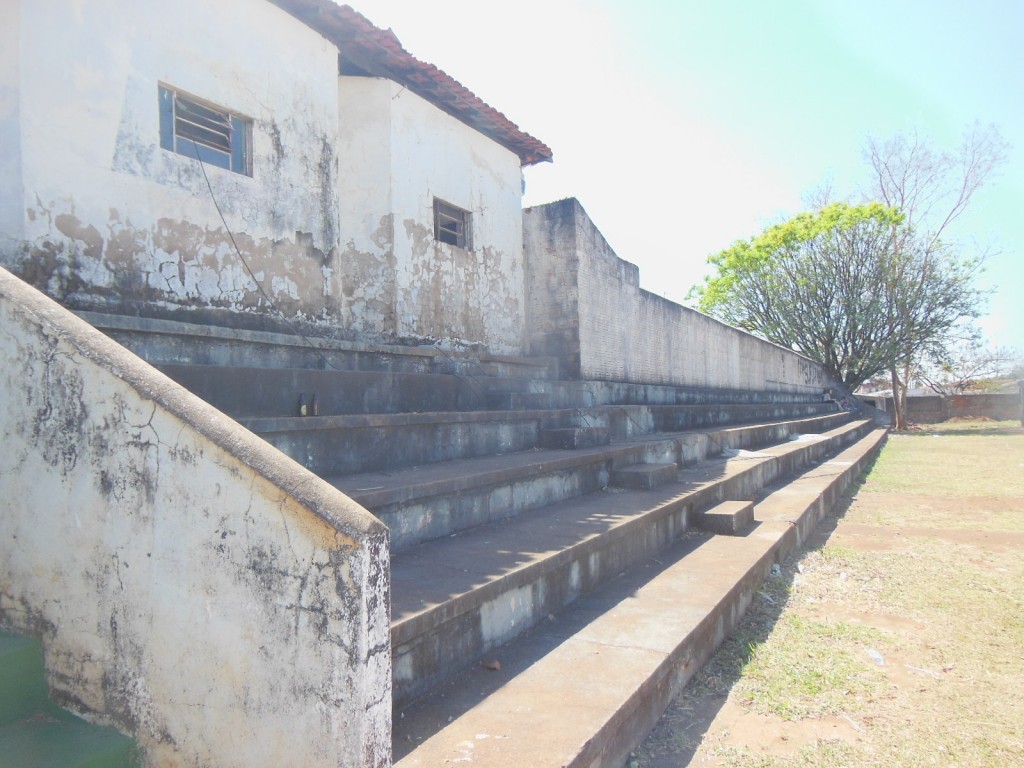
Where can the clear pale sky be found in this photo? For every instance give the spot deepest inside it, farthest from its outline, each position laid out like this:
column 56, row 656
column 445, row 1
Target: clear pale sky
column 683, row 126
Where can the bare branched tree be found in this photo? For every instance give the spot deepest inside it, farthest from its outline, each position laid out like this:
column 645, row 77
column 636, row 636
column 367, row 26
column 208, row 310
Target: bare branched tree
column 932, row 189
column 962, row 366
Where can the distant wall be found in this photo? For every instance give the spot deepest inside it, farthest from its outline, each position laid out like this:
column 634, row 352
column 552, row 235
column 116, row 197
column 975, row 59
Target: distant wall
column 931, row 409
column 587, row 308
column 191, row 585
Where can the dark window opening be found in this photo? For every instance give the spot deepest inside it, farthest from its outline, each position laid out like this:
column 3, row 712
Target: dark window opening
column 452, row 225
column 201, row 130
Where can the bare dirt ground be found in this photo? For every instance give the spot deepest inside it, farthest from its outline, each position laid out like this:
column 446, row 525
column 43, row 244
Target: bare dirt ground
column 894, row 638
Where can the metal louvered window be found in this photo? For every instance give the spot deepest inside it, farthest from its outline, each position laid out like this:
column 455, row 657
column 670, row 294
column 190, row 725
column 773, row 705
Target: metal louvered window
column 452, row 225
column 204, row 131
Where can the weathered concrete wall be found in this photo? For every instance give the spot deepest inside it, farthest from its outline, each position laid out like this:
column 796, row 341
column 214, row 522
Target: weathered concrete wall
column 11, row 194
column 107, row 220
column 587, row 307
column 931, row 409
column 402, row 153
column 191, row 585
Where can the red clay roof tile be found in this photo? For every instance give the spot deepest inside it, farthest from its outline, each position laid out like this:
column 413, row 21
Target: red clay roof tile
column 370, row 50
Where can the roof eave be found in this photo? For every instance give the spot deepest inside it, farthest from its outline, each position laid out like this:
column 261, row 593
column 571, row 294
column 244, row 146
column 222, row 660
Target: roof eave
column 379, row 53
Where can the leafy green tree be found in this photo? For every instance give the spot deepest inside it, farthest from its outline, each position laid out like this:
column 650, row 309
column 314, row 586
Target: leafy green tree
column 848, row 286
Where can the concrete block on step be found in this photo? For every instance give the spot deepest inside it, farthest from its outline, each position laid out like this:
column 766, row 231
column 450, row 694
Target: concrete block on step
column 644, row 476
column 730, row 518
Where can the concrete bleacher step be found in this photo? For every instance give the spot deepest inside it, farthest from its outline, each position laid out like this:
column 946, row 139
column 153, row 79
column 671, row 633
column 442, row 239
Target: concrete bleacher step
column 587, row 683
column 517, row 401
column 572, row 438
column 275, row 392
column 351, row 444
column 730, row 518
column 34, row 732
column 644, row 475
column 172, row 342
column 456, row 598
column 438, row 499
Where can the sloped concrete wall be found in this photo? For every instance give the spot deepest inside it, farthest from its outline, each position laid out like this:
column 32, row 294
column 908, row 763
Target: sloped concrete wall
column 191, row 585
column 587, row 308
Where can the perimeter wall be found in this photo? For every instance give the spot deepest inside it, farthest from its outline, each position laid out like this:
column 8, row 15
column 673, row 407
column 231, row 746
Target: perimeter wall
column 587, row 309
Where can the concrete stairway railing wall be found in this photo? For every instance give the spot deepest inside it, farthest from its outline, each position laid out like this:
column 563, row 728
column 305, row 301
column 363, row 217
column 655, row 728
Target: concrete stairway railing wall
column 174, row 565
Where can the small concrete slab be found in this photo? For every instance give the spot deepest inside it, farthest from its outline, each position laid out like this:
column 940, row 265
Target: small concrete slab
column 574, row 437
column 644, row 476
column 730, row 518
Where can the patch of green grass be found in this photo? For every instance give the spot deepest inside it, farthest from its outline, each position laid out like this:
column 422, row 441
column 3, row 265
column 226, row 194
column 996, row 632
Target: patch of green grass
column 951, row 464
column 826, row 752
column 903, row 574
column 809, row 668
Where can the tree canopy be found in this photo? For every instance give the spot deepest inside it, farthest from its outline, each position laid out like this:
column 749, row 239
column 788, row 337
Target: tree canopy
column 849, row 286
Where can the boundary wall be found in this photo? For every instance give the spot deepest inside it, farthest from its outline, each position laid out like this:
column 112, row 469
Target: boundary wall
column 191, row 585
column 931, row 409
column 586, row 307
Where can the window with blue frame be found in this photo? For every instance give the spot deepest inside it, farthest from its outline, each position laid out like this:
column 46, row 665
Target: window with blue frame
column 202, row 130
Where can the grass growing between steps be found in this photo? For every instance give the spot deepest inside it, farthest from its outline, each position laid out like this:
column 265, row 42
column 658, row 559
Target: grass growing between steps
column 894, row 638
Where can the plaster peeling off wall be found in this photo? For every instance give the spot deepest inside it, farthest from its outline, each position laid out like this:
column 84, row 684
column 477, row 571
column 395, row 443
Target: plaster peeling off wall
column 180, row 270
column 111, row 221
column 589, row 310
column 191, row 585
column 399, row 153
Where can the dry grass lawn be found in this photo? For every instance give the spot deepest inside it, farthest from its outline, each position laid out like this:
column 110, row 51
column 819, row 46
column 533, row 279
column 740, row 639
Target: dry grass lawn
column 895, row 638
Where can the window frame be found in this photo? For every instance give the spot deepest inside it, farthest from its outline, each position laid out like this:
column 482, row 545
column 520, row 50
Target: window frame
column 193, row 127
column 453, row 225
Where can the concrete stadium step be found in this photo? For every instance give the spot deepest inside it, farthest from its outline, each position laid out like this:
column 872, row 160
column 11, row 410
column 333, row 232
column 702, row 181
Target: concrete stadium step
column 585, row 394
column 507, row 400
column 435, row 500
column 35, row 732
column 585, row 686
column 251, row 392
column 574, row 438
column 275, row 392
column 172, row 342
column 351, row 444
column 456, row 598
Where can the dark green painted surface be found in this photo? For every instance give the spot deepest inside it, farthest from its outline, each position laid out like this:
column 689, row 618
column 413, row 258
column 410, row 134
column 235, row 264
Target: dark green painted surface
column 34, row 733
column 22, row 679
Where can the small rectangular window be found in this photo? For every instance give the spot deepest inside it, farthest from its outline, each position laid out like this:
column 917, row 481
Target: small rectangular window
column 204, row 131
column 452, row 225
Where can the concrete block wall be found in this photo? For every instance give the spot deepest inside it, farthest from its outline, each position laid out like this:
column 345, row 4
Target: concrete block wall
column 587, row 308
column 191, row 586
column 930, row 409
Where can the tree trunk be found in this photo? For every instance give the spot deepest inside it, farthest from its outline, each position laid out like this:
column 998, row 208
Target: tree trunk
column 899, row 400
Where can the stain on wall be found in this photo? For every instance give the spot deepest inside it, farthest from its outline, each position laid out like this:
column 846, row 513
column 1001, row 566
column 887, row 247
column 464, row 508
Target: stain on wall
column 458, row 295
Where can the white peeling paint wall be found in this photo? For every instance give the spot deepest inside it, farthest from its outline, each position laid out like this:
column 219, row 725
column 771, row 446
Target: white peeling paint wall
column 191, row 585
column 12, row 209
column 587, row 307
column 434, row 291
column 110, row 221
